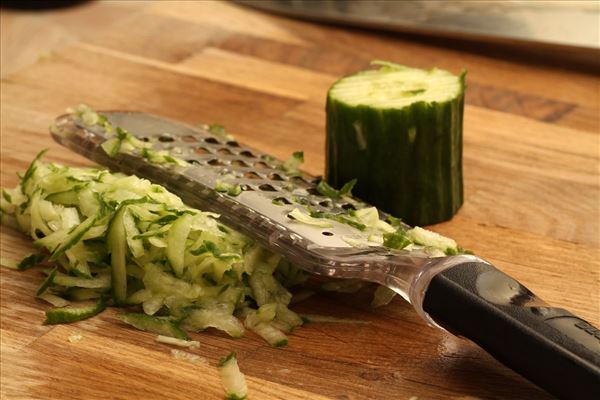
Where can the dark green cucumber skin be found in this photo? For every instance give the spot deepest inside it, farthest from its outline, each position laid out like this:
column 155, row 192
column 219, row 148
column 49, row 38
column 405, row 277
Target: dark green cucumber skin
column 420, row 182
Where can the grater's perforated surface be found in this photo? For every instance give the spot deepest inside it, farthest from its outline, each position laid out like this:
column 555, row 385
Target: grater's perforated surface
column 265, row 186
column 251, row 169
column 215, row 160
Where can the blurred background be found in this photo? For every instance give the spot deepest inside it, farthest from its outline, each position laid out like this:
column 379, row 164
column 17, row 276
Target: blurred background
column 563, row 32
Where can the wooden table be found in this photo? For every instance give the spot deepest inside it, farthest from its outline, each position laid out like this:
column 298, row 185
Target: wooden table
column 532, row 202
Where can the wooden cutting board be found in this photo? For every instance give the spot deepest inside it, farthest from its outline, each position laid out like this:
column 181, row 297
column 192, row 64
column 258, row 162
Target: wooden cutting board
column 531, row 153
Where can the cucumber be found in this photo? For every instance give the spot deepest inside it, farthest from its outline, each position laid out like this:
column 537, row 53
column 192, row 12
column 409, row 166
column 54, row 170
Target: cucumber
column 190, row 344
column 286, row 320
column 266, row 289
column 30, row 260
column 100, row 282
column 117, row 246
column 159, row 325
column 383, row 295
column 198, row 320
column 80, row 294
column 46, row 283
column 73, row 237
column 299, row 216
column 53, row 299
column 176, row 241
column 398, row 131
column 233, row 380
column 265, row 329
column 432, row 239
column 65, row 315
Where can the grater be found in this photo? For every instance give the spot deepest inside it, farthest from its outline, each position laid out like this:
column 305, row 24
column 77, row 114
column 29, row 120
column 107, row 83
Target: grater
column 463, row 293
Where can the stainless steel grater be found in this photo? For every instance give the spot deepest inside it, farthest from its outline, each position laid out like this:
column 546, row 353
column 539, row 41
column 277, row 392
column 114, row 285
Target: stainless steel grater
column 463, row 293
column 252, row 212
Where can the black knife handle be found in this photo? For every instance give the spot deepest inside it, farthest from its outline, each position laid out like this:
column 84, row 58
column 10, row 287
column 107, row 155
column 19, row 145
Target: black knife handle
column 549, row 346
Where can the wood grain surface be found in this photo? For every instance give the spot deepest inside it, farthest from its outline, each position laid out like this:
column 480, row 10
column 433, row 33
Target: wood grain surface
column 531, row 167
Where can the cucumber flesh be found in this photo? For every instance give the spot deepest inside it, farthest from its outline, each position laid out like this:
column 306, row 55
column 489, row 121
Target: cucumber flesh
column 49, row 281
column 100, row 282
column 73, row 237
column 176, row 241
column 157, row 325
column 117, row 246
column 30, row 260
column 233, row 380
column 394, row 87
column 199, row 320
column 398, row 131
column 266, row 330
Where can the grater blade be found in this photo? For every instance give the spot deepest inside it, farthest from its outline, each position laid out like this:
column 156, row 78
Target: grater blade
column 211, row 159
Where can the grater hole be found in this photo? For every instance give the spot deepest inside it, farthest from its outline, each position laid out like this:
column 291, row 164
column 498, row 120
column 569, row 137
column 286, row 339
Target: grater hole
column 233, row 143
column 165, row 138
column 224, row 151
column 189, row 139
column 201, row 150
column 193, row 161
column 299, row 179
column 246, row 188
column 282, row 200
column 239, row 163
column 251, row 175
column 275, row 177
column 214, row 162
column 348, row 207
column 260, row 165
column 326, row 233
column 326, row 204
column 144, row 139
column 211, row 140
column 313, row 191
column 265, row 187
column 247, row 153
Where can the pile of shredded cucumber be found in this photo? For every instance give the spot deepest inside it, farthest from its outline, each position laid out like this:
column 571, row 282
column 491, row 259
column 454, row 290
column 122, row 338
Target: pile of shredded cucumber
column 123, row 241
column 108, row 239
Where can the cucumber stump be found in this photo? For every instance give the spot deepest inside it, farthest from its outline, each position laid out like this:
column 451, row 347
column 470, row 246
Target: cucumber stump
column 398, row 131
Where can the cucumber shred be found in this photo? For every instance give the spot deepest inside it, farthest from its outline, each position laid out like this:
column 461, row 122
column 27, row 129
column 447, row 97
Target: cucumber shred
column 66, row 315
column 233, row 380
column 266, row 329
column 49, row 281
column 53, row 299
column 398, row 131
column 30, row 261
column 117, row 242
column 160, row 325
column 120, row 240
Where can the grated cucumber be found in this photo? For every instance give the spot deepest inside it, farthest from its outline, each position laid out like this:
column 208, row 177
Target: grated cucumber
column 121, row 240
column 65, row 315
column 161, row 325
column 233, row 380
